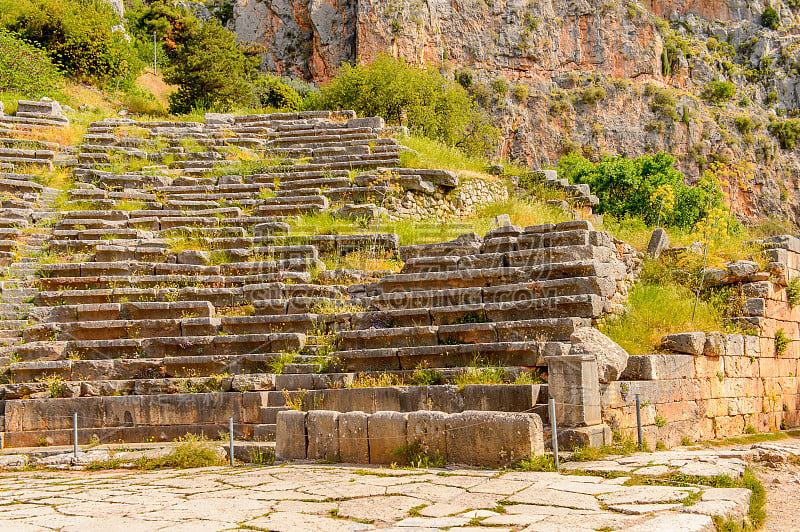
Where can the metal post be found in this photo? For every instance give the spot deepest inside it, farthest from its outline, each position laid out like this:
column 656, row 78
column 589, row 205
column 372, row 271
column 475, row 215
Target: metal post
column 702, row 278
column 231, row 427
column 75, row 435
column 554, row 431
column 639, row 420
column 155, row 56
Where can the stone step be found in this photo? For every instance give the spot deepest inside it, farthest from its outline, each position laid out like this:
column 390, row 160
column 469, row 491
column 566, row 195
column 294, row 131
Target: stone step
column 179, row 327
column 264, row 432
column 423, row 299
column 169, row 373
column 485, row 277
column 161, row 385
column 68, row 284
column 524, row 354
column 458, row 333
column 130, row 418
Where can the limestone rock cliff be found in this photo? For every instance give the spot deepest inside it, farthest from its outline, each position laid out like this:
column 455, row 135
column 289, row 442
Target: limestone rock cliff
column 600, row 76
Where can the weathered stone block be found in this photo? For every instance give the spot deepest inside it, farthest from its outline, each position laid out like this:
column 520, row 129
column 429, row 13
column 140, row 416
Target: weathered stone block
column 657, row 367
column 387, row 432
column 658, row 242
column 291, row 438
column 428, row 428
column 353, row 437
column 322, row 429
column 573, row 383
column 493, row 439
column 692, row 343
column 611, row 358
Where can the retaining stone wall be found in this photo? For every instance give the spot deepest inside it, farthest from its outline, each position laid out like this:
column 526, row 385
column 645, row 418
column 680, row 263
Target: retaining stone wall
column 480, row 438
column 460, row 202
column 707, row 386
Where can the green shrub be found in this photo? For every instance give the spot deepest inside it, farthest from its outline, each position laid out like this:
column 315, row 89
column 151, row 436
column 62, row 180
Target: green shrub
column 480, row 92
column 787, row 132
column 663, row 103
column 520, row 93
column 500, row 87
column 718, row 91
column 25, row 69
column 76, row 35
column 592, row 94
column 660, row 421
column 772, row 98
column 272, row 92
column 770, row 18
column 745, row 124
column 434, row 107
column 211, row 70
column 781, row 342
column 627, row 187
column 464, row 77
column 793, row 292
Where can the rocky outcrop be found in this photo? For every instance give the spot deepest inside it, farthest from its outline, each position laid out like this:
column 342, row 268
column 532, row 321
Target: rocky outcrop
column 309, row 38
column 599, row 77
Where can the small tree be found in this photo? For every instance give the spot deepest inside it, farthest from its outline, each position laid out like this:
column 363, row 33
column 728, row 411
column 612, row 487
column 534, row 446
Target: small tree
column 211, row 70
column 770, row 18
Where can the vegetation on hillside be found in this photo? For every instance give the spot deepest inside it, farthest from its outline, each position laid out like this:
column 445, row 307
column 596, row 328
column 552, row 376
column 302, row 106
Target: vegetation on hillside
column 423, row 99
column 77, row 36
column 648, row 187
column 25, row 69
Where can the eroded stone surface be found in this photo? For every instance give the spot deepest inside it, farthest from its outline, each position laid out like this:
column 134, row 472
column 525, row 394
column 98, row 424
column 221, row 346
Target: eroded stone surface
column 335, row 497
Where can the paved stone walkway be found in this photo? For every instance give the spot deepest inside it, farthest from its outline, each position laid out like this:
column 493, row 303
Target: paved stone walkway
column 303, row 497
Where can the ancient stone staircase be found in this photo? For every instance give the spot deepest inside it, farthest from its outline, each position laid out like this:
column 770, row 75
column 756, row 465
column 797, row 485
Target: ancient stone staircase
column 169, row 294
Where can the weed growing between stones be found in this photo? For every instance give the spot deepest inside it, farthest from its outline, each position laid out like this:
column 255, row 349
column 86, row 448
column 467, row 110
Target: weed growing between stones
column 793, row 292
column 376, row 380
column 276, row 365
column 192, row 451
column 481, row 372
column 533, row 376
column 415, row 457
column 55, row 385
column 781, row 342
column 424, row 376
column 756, row 513
column 262, row 456
column 544, row 462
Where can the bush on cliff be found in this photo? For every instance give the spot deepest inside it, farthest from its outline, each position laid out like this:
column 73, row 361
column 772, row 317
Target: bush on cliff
column 77, row 35
column 26, row 70
column 432, row 106
column 644, row 187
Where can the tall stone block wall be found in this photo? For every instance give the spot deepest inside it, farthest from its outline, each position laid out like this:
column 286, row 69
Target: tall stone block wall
column 730, row 384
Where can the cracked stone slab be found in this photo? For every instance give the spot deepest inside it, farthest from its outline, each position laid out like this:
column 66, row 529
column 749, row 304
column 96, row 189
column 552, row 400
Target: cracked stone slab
column 647, row 494
column 673, row 522
column 548, row 497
